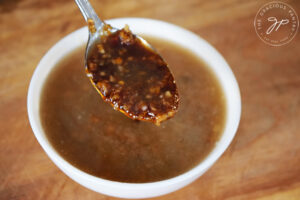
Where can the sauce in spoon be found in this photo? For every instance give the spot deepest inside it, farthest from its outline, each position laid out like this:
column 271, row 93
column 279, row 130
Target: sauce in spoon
column 127, row 72
column 131, row 76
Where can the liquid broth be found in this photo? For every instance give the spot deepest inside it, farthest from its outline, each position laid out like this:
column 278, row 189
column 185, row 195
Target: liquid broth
column 103, row 142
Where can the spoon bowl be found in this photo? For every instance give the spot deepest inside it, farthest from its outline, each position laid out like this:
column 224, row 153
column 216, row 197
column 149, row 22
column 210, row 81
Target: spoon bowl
column 127, row 71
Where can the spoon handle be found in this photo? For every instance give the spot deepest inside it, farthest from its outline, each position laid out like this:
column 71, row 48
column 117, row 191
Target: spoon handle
column 88, row 12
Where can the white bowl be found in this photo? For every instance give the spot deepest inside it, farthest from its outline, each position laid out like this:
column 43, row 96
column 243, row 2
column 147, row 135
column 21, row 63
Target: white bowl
column 153, row 28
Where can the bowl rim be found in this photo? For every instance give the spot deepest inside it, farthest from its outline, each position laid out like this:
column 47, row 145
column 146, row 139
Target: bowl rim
column 211, row 158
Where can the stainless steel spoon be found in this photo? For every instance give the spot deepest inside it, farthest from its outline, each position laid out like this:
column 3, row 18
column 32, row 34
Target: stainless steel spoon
column 89, row 14
column 135, row 104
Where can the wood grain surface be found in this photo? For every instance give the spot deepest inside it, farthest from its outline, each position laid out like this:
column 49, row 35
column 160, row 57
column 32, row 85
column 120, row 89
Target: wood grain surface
column 263, row 161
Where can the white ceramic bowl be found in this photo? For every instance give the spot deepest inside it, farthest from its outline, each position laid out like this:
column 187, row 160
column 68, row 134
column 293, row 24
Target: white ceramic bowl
column 153, row 28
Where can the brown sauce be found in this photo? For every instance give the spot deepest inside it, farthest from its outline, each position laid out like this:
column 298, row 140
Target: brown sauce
column 132, row 77
column 105, row 143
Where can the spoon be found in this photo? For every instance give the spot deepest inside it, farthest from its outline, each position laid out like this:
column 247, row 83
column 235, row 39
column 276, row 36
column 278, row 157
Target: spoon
column 127, row 71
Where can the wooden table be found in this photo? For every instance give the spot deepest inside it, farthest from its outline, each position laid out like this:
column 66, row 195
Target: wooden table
column 263, row 161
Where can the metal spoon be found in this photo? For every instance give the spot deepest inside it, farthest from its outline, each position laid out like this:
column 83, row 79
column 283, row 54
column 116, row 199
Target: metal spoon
column 89, row 13
column 146, row 90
